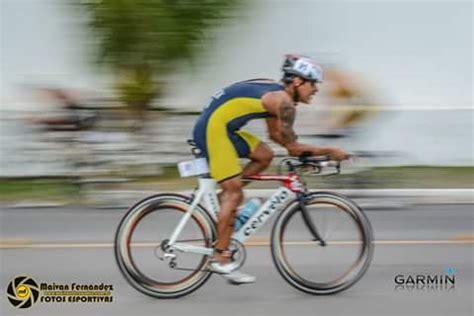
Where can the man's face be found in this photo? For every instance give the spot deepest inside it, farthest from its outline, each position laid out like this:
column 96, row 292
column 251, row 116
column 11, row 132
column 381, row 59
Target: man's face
column 306, row 90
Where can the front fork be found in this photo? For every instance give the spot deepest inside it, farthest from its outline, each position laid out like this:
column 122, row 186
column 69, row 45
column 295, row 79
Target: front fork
column 307, row 220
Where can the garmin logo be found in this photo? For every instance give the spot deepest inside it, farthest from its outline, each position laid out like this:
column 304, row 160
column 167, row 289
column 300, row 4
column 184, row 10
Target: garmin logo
column 426, row 282
column 275, row 203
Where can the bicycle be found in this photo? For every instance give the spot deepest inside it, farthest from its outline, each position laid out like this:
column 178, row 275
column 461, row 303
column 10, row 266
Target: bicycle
column 172, row 261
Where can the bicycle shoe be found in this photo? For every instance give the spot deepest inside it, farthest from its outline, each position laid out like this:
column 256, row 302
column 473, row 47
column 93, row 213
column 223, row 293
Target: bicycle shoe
column 228, row 272
column 238, row 278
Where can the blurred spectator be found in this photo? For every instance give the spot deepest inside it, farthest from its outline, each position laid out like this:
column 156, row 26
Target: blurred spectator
column 351, row 102
column 72, row 116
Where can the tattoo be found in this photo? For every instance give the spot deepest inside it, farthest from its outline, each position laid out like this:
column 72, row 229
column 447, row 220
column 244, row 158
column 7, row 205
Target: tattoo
column 287, row 118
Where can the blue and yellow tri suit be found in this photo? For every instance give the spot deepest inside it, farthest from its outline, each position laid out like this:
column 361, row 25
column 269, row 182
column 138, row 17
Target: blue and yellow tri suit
column 218, row 130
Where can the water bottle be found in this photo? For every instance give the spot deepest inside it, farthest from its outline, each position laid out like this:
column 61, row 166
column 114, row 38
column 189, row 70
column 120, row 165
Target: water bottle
column 246, row 212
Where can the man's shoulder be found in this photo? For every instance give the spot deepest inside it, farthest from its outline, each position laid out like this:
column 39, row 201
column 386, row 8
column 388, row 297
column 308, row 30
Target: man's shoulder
column 275, row 98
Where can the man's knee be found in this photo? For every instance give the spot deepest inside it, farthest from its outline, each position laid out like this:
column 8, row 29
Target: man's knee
column 268, row 154
column 264, row 154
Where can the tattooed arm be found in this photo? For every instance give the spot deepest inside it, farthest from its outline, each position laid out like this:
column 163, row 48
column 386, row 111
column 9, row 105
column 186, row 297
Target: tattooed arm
column 286, row 117
column 280, row 128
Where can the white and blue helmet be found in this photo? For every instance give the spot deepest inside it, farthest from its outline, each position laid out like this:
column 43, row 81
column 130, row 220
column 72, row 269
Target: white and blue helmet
column 301, row 66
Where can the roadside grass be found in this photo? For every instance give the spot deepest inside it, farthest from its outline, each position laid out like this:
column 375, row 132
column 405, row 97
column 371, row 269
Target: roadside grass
column 37, row 189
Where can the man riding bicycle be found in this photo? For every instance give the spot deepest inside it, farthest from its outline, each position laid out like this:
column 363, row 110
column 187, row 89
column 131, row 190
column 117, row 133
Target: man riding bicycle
column 219, row 135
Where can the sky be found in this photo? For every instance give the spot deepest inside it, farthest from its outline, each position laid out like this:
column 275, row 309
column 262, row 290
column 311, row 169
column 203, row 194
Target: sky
column 417, row 53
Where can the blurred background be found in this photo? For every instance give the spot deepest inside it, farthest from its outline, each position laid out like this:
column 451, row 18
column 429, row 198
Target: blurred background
column 98, row 98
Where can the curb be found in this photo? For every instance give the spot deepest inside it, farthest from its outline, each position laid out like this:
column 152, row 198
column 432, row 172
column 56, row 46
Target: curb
column 369, row 199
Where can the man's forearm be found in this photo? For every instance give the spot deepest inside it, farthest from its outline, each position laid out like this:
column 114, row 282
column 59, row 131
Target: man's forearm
column 298, row 149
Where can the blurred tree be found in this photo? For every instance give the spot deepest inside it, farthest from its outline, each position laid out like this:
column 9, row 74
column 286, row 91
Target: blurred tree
column 143, row 40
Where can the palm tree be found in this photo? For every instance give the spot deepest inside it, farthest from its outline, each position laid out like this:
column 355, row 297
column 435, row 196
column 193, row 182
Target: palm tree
column 143, row 40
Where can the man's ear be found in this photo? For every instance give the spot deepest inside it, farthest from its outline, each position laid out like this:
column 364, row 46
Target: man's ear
column 297, row 81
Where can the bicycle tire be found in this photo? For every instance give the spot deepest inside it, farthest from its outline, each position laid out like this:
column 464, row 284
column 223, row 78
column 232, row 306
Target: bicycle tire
column 358, row 269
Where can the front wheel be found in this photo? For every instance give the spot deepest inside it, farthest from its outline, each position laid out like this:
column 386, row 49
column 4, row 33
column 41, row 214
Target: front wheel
column 311, row 267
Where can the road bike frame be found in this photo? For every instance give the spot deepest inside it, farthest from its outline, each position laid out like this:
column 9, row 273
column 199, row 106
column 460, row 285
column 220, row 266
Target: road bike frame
column 291, row 189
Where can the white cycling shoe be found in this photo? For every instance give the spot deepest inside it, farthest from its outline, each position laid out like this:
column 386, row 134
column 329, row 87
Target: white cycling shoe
column 228, row 271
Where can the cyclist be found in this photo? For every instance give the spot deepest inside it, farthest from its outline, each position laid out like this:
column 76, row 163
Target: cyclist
column 219, row 135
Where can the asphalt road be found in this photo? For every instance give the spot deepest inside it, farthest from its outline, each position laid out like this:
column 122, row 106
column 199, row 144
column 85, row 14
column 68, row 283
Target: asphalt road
column 74, row 245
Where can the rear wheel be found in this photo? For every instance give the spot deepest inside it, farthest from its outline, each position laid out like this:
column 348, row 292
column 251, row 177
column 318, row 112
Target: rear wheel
column 142, row 253
column 317, row 269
